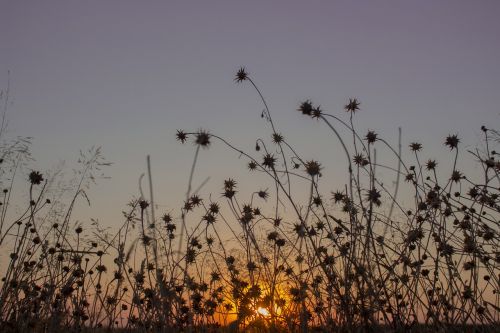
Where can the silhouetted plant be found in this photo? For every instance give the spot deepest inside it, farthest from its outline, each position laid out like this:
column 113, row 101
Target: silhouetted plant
column 293, row 255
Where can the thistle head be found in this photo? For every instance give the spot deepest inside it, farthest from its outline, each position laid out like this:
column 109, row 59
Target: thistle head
column 241, row 75
column 352, row 106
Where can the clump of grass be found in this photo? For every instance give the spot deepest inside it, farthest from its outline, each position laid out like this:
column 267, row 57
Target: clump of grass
column 293, row 255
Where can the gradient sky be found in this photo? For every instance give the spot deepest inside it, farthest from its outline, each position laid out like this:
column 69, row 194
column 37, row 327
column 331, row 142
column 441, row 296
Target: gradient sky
column 125, row 75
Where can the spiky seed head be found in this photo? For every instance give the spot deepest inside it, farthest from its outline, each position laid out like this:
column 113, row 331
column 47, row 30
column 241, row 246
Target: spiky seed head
column 313, row 168
column 431, row 165
column 181, row 136
column 35, row 178
column 371, row 137
column 452, row 141
column 415, row 146
column 352, row 106
column 203, row 139
column 306, row 108
column 241, row 75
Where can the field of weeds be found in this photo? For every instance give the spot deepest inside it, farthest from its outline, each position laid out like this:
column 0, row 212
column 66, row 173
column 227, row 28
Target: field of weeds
column 296, row 256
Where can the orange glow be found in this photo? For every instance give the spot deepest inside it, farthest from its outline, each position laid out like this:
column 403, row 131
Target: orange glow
column 263, row 311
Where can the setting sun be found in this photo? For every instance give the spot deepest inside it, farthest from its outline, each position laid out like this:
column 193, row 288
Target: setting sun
column 263, row 311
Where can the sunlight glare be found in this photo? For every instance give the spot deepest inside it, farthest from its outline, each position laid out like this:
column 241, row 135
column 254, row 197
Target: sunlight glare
column 263, row 311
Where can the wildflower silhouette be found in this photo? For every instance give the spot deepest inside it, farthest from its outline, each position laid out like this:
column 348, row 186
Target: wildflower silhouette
column 35, row 178
column 431, row 165
column 313, row 168
column 371, row 137
column 306, row 108
column 415, row 146
column 241, row 75
column 202, row 139
column 452, row 141
column 352, row 106
column 181, row 136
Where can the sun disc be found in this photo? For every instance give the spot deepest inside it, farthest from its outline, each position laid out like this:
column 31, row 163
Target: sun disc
column 263, row 311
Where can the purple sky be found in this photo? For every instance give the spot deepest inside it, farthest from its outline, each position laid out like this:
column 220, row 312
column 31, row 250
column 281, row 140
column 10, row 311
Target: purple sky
column 125, row 75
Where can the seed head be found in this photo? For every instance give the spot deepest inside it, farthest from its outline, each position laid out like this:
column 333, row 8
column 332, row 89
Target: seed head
column 359, row 159
column 143, row 204
column 415, row 146
column 241, row 75
column 277, row 138
column 452, row 141
column 352, row 106
column 456, row 176
column 209, row 218
column 101, row 268
column 371, row 137
column 431, row 164
column 373, row 196
column 252, row 165
column 313, row 168
column 181, row 136
column 203, row 138
column 167, row 218
column 269, row 161
column 306, row 108
column 338, row 196
column 473, row 192
column 317, row 112
column 195, row 200
column 409, row 177
column 229, row 183
column 214, row 208
column 229, row 191
column 188, row 205
column 263, row 194
column 36, row 177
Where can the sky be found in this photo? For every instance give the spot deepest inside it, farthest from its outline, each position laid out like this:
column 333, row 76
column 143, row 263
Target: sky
column 125, row 75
